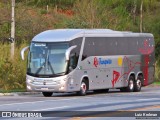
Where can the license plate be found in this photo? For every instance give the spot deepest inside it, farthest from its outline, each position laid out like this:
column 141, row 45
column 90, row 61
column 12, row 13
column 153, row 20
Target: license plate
column 44, row 88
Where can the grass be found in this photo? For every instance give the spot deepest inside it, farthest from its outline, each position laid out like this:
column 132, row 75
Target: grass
column 14, row 90
column 157, row 83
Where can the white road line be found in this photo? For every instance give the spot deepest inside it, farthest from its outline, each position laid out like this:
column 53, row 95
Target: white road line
column 148, row 99
column 50, row 108
column 155, row 92
column 43, row 101
column 36, row 102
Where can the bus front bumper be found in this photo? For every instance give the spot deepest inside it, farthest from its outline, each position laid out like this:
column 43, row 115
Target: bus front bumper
column 46, row 88
column 58, row 84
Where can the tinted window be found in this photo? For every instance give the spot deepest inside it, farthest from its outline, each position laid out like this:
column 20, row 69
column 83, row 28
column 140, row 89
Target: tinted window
column 74, row 55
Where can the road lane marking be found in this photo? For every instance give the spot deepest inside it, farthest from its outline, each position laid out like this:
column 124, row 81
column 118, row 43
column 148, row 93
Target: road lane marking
column 76, row 98
column 73, row 99
column 51, row 108
column 43, row 101
column 148, row 99
column 143, row 108
column 35, row 102
column 115, row 113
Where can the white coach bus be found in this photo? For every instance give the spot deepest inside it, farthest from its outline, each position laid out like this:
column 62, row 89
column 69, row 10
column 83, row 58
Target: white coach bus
column 78, row 60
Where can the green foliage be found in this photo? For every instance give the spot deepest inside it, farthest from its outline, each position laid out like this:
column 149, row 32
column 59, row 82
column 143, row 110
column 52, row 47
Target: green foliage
column 33, row 16
column 43, row 11
column 64, row 4
column 156, row 83
column 157, row 70
column 12, row 72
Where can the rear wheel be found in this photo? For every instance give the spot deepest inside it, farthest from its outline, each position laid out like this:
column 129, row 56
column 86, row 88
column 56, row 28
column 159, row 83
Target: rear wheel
column 47, row 94
column 138, row 84
column 83, row 88
column 130, row 87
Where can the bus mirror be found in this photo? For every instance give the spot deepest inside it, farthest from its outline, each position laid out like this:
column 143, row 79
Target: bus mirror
column 68, row 51
column 22, row 52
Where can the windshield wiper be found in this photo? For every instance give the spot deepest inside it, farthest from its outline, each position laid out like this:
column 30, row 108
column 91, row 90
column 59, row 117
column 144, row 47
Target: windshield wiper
column 40, row 69
column 48, row 64
column 62, row 73
column 51, row 67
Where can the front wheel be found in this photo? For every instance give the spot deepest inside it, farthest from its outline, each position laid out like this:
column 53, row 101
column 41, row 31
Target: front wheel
column 47, row 94
column 83, row 89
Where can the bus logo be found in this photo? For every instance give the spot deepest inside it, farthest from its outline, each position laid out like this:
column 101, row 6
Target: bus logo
column 101, row 61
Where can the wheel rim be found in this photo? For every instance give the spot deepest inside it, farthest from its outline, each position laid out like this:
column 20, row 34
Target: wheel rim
column 83, row 87
column 131, row 85
column 138, row 84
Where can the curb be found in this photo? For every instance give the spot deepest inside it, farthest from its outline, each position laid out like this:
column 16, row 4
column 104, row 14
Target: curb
column 19, row 93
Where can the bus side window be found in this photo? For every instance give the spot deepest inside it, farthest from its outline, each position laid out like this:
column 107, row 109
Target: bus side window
column 73, row 61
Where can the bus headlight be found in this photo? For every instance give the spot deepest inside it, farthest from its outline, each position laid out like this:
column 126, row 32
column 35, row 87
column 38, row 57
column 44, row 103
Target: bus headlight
column 29, row 87
column 29, row 81
column 70, row 80
column 61, row 88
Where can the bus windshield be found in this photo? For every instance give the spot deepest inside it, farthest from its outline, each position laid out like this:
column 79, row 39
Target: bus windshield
column 47, row 59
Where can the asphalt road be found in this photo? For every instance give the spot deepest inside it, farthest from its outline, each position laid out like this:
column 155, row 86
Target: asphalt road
column 96, row 104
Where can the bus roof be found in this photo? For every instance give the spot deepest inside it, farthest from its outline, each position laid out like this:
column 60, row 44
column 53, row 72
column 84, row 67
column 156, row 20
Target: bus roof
column 61, row 35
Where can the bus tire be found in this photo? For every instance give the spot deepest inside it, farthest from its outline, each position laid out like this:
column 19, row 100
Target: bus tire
column 47, row 94
column 138, row 84
column 83, row 89
column 130, row 87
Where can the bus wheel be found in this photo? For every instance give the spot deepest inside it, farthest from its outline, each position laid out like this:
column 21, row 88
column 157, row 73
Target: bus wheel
column 47, row 94
column 138, row 84
column 83, row 89
column 130, row 87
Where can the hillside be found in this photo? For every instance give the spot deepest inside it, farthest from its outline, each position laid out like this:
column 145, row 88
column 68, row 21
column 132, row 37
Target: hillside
column 34, row 16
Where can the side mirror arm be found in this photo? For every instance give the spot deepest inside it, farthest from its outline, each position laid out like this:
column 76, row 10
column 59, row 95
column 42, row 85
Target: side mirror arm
column 22, row 52
column 67, row 54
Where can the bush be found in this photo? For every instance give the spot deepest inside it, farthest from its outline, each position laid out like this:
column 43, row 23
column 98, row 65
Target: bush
column 12, row 72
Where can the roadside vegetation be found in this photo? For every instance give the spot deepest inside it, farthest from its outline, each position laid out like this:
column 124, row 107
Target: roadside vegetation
column 35, row 16
column 157, row 83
